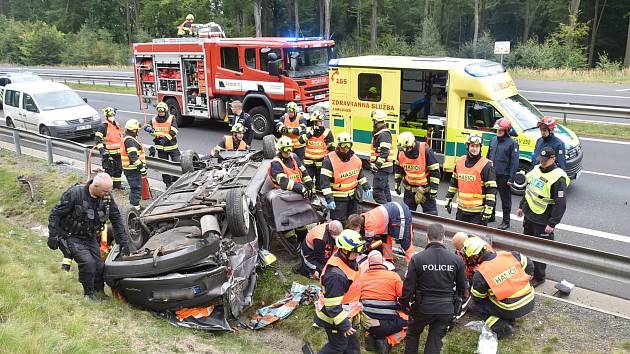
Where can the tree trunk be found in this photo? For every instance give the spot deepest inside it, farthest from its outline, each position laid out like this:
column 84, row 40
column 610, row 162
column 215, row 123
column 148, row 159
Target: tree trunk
column 128, row 15
column 476, row 34
column 426, row 8
column 327, row 18
column 321, row 18
column 529, row 17
column 626, row 62
column 374, row 25
column 297, row 18
column 482, row 15
column 257, row 17
column 597, row 19
column 359, row 26
column 574, row 9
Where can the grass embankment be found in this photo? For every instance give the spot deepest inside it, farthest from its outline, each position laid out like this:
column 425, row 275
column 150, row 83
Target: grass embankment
column 102, row 88
column 591, row 75
column 615, row 131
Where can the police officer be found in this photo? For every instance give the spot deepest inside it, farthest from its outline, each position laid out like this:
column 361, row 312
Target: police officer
column 232, row 142
column 382, row 157
column 163, row 128
column 319, row 141
column 341, row 174
column 318, row 247
column 544, row 202
column 242, row 117
column 500, row 290
column 108, row 140
column 434, row 285
column 417, row 173
column 133, row 161
column 548, row 139
column 293, row 124
column 503, row 153
column 75, row 222
column 475, row 183
column 340, row 290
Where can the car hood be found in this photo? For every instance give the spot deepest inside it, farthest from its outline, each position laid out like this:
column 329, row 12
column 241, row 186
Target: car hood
column 77, row 112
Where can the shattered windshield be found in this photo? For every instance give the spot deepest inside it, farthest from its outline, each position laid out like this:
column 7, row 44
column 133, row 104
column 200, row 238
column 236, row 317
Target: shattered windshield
column 306, row 62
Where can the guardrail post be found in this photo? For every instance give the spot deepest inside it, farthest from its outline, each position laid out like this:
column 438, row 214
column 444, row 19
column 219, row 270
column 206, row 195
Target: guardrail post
column 88, row 163
column 16, row 140
column 564, row 118
column 49, row 151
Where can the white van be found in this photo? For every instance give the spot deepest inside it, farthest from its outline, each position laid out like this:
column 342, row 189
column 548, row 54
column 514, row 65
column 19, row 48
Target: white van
column 49, row 108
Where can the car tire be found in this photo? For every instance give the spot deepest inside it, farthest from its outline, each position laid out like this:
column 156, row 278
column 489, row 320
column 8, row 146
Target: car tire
column 269, row 147
column 173, row 108
column 237, row 212
column 44, row 130
column 130, row 217
column 262, row 122
column 189, row 158
column 520, row 181
column 9, row 123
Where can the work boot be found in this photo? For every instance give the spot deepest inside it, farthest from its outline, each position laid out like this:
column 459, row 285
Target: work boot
column 370, row 343
column 504, row 226
column 382, row 347
column 91, row 297
column 503, row 331
column 536, row 282
column 101, row 296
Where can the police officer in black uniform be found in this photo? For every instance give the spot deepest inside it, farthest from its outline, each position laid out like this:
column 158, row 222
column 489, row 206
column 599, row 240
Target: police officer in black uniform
column 76, row 220
column 435, row 282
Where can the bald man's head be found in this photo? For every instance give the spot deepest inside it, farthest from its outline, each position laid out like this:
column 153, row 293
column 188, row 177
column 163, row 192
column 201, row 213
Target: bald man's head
column 101, row 185
column 335, row 227
column 458, row 240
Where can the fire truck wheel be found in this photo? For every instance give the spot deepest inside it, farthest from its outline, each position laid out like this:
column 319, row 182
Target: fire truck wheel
column 173, row 108
column 262, row 122
column 269, row 146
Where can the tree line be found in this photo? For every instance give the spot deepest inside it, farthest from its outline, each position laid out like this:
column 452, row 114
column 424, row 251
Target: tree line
column 543, row 33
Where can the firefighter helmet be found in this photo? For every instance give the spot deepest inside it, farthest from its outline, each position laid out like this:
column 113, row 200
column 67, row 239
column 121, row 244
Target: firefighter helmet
column 406, row 140
column 344, row 138
column 378, row 116
column 350, row 240
column 292, row 107
column 238, row 128
column 473, row 246
column 474, row 139
column 284, row 144
column 109, row 112
column 161, row 107
column 503, row 123
column 549, row 122
column 190, row 17
column 132, row 124
column 317, row 116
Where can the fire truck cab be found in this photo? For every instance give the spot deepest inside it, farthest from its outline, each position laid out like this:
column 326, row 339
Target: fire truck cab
column 198, row 77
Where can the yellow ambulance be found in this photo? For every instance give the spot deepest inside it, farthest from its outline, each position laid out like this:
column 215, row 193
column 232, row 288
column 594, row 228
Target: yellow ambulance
column 442, row 100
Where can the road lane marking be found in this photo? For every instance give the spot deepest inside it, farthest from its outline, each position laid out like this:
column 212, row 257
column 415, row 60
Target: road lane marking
column 108, row 93
column 573, row 94
column 605, row 174
column 606, row 141
column 623, row 90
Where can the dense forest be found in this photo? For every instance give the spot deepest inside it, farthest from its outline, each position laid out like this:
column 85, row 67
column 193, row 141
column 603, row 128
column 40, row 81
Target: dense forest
column 543, row 33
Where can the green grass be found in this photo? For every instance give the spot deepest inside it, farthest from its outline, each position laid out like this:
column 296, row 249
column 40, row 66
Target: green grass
column 616, row 131
column 592, row 75
column 102, row 88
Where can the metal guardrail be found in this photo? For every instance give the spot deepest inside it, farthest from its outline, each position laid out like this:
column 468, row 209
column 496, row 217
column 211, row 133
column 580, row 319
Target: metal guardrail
column 588, row 110
column 581, row 259
column 128, row 81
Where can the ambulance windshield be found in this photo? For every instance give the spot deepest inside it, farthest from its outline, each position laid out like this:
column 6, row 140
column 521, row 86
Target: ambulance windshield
column 523, row 112
column 307, row 62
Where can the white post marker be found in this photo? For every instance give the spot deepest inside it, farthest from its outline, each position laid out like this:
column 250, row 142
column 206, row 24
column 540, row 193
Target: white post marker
column 502, row 48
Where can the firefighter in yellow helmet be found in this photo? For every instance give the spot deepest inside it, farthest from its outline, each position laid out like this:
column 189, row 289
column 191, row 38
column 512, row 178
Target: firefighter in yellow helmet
column 293, row 124
column 108, row 142
column 185, row 29
column 163, row 128
column 382, row 157
column 133, row 161
column 319, row 141
column 232, row 142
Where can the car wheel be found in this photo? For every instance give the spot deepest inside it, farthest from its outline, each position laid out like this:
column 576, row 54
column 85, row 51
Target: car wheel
column 262, row 122
column 189, row 158
column 269, row 146
column 520, row 181
column 44, row 130
column 9, row 123
column 237, row 212
column 131, row 222
column 173, row 108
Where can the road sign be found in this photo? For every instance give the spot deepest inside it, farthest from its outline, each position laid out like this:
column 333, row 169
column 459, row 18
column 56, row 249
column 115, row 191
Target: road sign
column 502, row 47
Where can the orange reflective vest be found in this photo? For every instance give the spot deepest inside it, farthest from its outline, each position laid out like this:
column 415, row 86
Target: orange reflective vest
column 317, row 233
column 124, row 155
column 229, row 144
column 316, row 148
column 294, row 174
column 293, row 124
column 376, row 221
column 416, row 173
column 114, row 137
column 345, row 175
column 350, row 300
column 505, row 276
column 163, row 128
column 103, row 245
column 470, row 196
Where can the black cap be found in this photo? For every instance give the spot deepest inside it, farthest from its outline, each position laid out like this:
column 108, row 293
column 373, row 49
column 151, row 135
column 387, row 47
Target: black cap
column 546, row 153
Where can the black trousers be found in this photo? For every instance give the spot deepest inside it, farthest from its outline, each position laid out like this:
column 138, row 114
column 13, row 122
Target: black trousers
column 534, row 229
column 428, row 207
column 344, row 207
column 438, row 325
column 380, row 183
column 498, row 319
column 387, row 327
column 315, row 173
column 114, row 169
column 300, row 152
column 473, row 218
column 135, row 186
column 85, row 251
column 338, row 343
column 173, row 155
column 506, row 197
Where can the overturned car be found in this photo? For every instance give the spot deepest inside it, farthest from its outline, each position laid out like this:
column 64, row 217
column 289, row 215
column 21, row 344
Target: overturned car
column 200, row 242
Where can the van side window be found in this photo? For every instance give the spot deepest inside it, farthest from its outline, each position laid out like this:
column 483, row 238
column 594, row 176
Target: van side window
column 4, row 81
column 12, row 98
column 370, row 87
column 264, row 60
column 229, row 58
column 481, row 115
column 250, row 57
column 28, row 103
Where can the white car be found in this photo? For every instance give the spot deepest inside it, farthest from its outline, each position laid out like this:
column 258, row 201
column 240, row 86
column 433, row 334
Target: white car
column 49, row 108
column 14, row 77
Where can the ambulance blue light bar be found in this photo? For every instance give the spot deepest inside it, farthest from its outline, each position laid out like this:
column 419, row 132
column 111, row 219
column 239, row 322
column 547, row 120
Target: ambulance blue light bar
column 483, row 69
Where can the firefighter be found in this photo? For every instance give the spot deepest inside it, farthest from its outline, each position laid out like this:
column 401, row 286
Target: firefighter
column 547, row 138
column 500, row 290
column 319, row 141
column 475, row 183
column 341, row 174
column 318, row 247
column 163, row 128
column 503, row 153
column 244, row 118
column 544, row 203
column 418, row 173
column 75, row 222
column 434, row 283
column 232, row 142
column 108, row 139
column 185, row 29
column 380, row 290
column 388, row 222
column 133, row 161
column 293, row 124
column 287, row 172
column 381, row 159
column 339, row 304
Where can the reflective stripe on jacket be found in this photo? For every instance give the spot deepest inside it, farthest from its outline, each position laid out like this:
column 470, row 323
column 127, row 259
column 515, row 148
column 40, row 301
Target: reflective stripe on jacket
column 316, row 148
column 416, row 173
column 470, row 195
column 505, row 276
column 124, row 154
column 538, row 191
column 345, row 175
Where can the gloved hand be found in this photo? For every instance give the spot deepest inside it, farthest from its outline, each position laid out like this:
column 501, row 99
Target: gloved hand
column 306, row 193
column 368, row 193
column 373, row 167
column 310, row 185
column 332, row 205
column 148, row 129
column 487, row 214
column 378, row 164
column 449, row 205
column 163, row 140
column 284, row 130
column 53, row 242
column 142, row 169
column 420, row 196
column 398, row 187
column 152, row 151
column 110, row 159
column 124, row 250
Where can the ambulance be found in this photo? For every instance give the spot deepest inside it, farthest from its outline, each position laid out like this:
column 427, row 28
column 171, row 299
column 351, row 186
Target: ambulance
column 441, row 101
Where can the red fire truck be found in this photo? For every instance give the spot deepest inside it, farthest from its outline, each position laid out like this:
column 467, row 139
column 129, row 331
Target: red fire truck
column 198, row 77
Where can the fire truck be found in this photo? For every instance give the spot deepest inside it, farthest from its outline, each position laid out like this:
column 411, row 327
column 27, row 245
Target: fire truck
column 197, row 77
